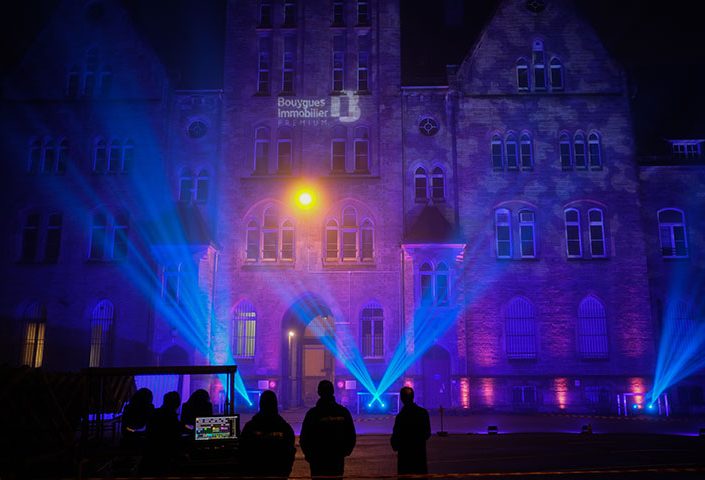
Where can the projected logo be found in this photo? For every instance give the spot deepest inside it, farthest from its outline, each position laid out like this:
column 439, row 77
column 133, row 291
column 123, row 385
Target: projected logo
column 318, row 111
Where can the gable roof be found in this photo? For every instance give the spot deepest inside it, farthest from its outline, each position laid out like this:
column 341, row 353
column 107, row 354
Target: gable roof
column 432, row 227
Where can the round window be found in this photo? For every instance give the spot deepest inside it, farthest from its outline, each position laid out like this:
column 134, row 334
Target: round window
column 428, row 126
column 197, row 129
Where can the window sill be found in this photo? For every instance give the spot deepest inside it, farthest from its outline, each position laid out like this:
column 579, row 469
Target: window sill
column 348, row 265
column 267, row 265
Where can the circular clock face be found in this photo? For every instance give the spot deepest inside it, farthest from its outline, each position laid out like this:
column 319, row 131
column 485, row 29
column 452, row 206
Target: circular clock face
column 428, row 126
column 535, row 6
column 197, row 129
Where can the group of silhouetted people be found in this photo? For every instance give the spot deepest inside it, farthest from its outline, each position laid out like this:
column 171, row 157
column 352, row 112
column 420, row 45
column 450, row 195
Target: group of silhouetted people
column 267, row 441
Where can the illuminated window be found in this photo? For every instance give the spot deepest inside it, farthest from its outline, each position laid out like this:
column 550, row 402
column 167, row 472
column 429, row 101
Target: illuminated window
column 186, row 186
column 511, row 152
column 349, row 234
column 288, row 244
column 539, row 63
column 270, row 234
column 442, row 284
column 202, row 181
column 503, row 239
column 338, row 74
column 284, row 153
column 331, row 245
column 288, row 65
column 372, row 326
column 438, row 185
column 426, row 284
column 496, row 153
column 350, row 240
column 37, row 228
column 263, row 65
column 366, row 241
column 420, row 185
column 597, row 233
column 101, row 333
column 362, row 150
column 556, row 74
column 592, row 329
column 265, row 14
column 261, row 166
column 564, row 151
column 115, row 157
column 363, row 12
column 108, row 239
column 171, row 282
column 520, row 325
column 594, row 151
column 252, row 241
column 527, row 233
column 244, row 328
column 434, row 284
column 289, row 13
column 48, row 156
column 579, row 153
column 34, row 321
column 338, row 13
column 525, row 152
column 573, row 236
column 338, row 149
column 363, row 63
column 672, row 233
column 522, row 68
column 686, row 150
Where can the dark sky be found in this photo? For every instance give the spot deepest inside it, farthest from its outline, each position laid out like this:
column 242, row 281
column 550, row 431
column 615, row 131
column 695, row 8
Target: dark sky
column 660, row 44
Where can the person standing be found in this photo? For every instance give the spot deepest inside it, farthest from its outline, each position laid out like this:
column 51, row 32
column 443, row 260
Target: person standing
column 412, row 428
column 267, row 441
column 327, row 434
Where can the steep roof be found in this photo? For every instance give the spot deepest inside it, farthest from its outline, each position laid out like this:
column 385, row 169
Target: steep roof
column 432, row 227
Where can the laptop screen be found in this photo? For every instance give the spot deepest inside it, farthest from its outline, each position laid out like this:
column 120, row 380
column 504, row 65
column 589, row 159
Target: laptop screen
column 217, row 428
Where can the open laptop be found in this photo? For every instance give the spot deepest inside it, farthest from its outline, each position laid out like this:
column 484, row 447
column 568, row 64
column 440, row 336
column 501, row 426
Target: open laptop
column 217, row 429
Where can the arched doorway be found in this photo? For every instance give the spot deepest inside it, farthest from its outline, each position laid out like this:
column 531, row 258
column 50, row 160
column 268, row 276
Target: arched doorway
column 305, row 360
column 436, row 378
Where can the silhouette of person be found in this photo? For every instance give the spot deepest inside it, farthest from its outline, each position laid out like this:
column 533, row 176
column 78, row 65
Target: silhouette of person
column 412, row 428
column 198, row 405
column 135, row 416
column 163, row 435
column 267, row 441
column 327, row 434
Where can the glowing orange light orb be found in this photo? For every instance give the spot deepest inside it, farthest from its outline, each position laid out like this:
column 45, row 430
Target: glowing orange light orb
column 305, row 199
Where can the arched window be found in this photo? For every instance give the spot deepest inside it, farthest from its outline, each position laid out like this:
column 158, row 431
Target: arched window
column 30, row 237
column 511, row 152
column 186, row 186
column 503, row 240
column 496, row 152
column 252, row 241
column 580, row 160
column 270, row 234
column 366, row 241
column 434, row 284
column 331, row 240
column 288, row 244
column 49, row 165
column 338, row 149
column 442, row 284
column 362, row 150
column 438, row 185
column 349, row 234
column 284, row 151
column 539, row 62
column 594, row 151
column 564, row 150
column 101, row 333
column 426, row 284
column 672, row 233
column 522, row 68
column 99, row 236
column 520, row 325
column 420, row 185
column 62, row 152
column 261, row 166
column 265, row 14
column 556, row 74
column 527, row 233
column 372, row 330
column 525, row 151
column 597, row 233
column 34, row 320
column 115, row 157
column 171, row 282
column 108, row 236
column 244, row 328
column 202, row 186
column 592, row 329
column 573, row 236
column 363, row 12
column 35, row 156
column 52, row 241
column 100, row 156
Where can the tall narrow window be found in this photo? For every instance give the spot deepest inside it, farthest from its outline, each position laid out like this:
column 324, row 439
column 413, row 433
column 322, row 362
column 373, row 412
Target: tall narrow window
column 49, row 165
column 186, row 186
column 527, row 158
column 265, row 14
column 52, row 246
column 35, row 156
column 108, row 236
column 289, row 13
column 520, row 324
column 672, row 233
column 426, row 284
column 363, row 63
column 366, row 241
column 564, row 150
column 62, row 152
column 338, row 75
column 99, row 227
column 119, row 239
column 594, row 151
column 597, row 233
column 579, row 151
column 522, row 75
column 252, row 241
column 362, row 150
column 30, row 237
column 202, row 186
column 331, row 240
column 270, row 235
column 288, row 65
column 556, row 74
column 511, row 152
column 539, row 62
column 115, row 157
column 372, row 326
column 438, row 185
column 244, row 329
column 101, row 333
column 100, row 156
column 573, row 237
column 263, row 66
column 363, row 12
column 261, row 151
column 338, row 13
column 338, row 147
column 503, row 239
column 442, row 284
column 106, row 80
column 349, row 234
column 287, row 241
column 420, row 185
column 284, row 153
column 34, row 320
column 496, row 153
column 592, row 329
column 527, row 233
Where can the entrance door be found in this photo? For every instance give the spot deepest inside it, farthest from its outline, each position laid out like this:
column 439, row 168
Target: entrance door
column 436, row 378
column 317, row 360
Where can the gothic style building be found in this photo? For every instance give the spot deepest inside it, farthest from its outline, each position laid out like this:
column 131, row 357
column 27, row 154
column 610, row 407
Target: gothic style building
column 494, row 240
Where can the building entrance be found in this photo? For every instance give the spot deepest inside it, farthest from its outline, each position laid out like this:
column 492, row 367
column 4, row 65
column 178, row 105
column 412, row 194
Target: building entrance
column 436, row 378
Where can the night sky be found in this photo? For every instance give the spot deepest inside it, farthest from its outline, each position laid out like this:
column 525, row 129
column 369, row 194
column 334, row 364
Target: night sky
column 660, row 44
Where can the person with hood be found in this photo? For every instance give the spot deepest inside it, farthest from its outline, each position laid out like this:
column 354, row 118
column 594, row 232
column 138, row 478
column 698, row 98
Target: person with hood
column 135, row 416
column 267, row 441
column 412, row 428
column 164, row 436
column 198, row 405
column 327, row 434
